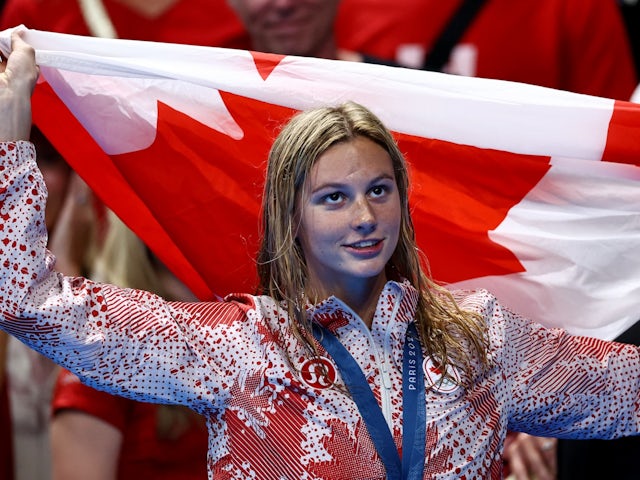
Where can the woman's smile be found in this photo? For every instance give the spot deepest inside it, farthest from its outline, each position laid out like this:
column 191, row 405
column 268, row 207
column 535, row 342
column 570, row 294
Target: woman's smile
column 366, row 247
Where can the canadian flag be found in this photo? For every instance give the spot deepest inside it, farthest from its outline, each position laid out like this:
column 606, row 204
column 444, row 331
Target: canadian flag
column 529, row 192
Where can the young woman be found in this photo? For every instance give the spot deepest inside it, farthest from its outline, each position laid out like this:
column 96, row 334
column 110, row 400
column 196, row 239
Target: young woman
column 350, row 363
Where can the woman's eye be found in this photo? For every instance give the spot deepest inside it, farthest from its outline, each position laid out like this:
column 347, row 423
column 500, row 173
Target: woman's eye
column 332, row 198
column 378, row 191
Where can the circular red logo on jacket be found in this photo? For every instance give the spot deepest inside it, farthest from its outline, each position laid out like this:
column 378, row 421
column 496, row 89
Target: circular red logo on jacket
column 319, row 372
column 436, row 379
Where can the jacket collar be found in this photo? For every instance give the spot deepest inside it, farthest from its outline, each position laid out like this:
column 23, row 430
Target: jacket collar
column 397, row 301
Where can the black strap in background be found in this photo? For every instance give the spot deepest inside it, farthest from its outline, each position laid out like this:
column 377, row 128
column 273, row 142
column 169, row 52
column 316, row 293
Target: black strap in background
column 441, row 51
column 630, row 335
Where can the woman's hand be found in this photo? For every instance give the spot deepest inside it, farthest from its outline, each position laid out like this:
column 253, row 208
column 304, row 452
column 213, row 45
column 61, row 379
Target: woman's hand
column 18, row 76
column 530, row 457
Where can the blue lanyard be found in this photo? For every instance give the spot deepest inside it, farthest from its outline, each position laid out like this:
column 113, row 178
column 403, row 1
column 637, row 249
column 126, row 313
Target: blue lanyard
column 414, row 408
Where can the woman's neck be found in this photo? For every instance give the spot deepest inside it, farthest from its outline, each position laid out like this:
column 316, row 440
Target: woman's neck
column 362, row 297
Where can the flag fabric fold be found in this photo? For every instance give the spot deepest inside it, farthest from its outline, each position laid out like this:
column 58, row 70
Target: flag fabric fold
column 530, row 192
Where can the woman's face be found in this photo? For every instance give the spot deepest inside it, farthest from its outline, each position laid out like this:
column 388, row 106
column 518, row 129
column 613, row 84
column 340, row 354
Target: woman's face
column 349, row 216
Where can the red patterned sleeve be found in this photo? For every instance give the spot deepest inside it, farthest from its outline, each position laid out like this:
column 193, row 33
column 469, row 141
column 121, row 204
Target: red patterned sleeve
column 125, row 341
column 564, row 385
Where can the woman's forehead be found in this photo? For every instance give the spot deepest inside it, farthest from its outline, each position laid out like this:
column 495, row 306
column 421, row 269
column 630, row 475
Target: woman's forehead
column 358, row 159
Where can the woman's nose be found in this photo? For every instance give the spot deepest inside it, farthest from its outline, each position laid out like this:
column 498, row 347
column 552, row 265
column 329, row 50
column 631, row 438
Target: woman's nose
column 364, row 216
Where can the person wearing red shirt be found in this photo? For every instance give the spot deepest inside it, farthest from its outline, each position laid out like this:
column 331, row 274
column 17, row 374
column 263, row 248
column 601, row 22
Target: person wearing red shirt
column 195, row 22
column 575, row 45
column 133, row 432
column 198, row 22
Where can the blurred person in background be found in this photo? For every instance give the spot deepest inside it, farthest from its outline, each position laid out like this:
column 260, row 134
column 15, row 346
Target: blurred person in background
column 575, row 45
column 292, row 27
column 195, row 22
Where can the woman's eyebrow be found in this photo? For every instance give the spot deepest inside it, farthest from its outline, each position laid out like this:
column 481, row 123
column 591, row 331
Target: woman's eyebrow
column 338, row 185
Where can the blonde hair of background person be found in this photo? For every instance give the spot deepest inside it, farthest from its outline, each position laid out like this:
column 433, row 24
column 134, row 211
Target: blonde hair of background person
column 126, row 261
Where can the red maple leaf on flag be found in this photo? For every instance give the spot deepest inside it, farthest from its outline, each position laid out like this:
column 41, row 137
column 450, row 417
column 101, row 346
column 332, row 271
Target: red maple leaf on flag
column 266, row 62
column 459, row 194
column 194, row 195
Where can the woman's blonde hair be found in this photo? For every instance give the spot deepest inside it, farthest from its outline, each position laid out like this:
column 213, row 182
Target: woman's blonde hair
column 446, row 331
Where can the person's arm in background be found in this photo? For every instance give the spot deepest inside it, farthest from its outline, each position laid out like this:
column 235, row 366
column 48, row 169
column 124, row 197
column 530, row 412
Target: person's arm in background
column 84, row 447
